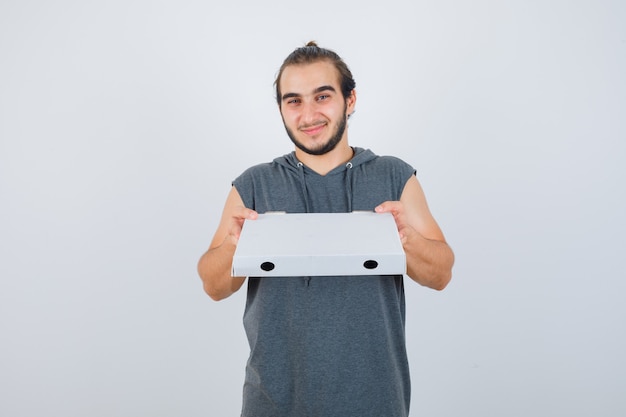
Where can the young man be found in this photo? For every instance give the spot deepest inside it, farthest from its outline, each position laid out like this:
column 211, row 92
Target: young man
column 326, row 346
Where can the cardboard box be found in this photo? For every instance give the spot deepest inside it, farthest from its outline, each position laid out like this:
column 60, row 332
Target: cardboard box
column 319, row 244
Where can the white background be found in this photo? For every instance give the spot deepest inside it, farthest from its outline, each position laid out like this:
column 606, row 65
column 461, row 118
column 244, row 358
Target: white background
column 122, row 124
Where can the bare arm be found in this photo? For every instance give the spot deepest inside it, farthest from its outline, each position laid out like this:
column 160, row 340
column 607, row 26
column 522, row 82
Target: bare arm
column 215, row 265
column 429, row 258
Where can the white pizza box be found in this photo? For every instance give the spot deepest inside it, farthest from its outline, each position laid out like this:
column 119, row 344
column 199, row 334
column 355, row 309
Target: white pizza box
column 319, row 244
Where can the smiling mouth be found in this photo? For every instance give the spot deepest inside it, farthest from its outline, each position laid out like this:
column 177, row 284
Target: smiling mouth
column 312, row 130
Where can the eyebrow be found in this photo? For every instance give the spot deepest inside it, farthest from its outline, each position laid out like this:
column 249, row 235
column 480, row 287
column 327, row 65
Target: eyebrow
column 317, row 90
column 325, row 88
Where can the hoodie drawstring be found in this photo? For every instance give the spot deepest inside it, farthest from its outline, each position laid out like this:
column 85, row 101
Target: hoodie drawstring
column 348, row 182
column 303, row 184
column 349, row 185
column 300, row 165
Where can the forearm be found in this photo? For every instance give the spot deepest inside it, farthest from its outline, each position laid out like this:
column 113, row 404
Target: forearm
column 214, row 269
column 429, row 262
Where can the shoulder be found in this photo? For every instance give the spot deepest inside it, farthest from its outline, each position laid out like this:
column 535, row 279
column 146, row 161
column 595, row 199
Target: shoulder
column 391, row 160
column 258, row 168
column 390, row 163
column 259, row 171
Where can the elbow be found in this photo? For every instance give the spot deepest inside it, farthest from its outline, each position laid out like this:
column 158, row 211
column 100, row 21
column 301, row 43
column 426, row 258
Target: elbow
column 209, row 282
column 436, row 278
column 446, row 274
column 435, row 281
column 219, row 289
column 443, row 281
column 213, row 292
column 216, row 297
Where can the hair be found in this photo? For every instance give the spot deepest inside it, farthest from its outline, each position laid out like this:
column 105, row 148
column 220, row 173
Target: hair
column 311, row 53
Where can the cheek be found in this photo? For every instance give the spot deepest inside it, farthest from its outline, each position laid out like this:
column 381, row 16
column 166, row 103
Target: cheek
column 339, row 113
column 288, row 116
column 290, row 122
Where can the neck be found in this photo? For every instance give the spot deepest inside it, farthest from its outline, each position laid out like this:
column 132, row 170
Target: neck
column 323, row 164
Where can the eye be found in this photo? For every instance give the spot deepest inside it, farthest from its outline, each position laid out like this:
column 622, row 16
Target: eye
column 293, row 101
column 323, row 97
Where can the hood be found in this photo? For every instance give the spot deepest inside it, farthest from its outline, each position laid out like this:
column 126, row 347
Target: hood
column 292, row 163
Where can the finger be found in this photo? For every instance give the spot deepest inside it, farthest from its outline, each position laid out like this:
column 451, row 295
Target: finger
column 243, row 213
column 251, row 214
column 240, row 215
column 388, row 206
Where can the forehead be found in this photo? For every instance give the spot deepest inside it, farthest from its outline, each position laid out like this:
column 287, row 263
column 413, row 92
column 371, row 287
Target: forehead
column 304, row 78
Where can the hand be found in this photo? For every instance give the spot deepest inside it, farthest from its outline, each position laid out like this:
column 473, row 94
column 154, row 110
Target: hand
column 239, row 216
column 397, row 209
column 429, row 258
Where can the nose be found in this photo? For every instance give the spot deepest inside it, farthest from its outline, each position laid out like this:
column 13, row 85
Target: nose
column 308, row 113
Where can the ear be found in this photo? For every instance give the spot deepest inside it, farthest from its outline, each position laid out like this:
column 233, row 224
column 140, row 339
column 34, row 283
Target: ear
column 351, row 102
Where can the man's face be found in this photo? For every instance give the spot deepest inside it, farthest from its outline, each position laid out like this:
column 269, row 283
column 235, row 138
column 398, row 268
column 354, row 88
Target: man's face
column 312, row 107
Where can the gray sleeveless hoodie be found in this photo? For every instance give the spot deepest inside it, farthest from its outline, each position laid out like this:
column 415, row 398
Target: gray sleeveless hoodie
column 325, row 346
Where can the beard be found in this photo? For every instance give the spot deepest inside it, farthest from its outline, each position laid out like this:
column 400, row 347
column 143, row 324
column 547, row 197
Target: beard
column 323, row 148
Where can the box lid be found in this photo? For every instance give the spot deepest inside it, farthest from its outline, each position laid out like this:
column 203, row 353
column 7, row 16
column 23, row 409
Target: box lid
column 319, row 244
